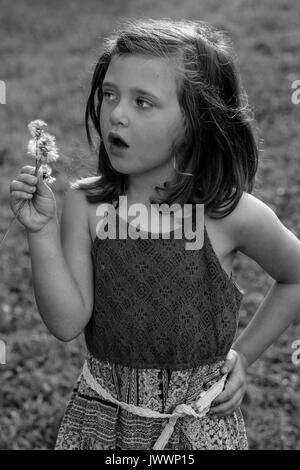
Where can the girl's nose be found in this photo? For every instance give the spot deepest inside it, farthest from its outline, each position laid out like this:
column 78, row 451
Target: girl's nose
column 118, row 115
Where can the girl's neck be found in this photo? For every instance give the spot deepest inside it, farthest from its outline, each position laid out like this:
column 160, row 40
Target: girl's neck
column 139, row 197
column 142, row 187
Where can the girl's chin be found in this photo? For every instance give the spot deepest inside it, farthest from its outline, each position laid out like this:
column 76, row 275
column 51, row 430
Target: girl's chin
column 118, row 164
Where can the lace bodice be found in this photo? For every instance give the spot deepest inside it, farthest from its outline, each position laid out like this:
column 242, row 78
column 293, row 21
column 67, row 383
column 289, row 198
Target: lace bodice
column 158, row 305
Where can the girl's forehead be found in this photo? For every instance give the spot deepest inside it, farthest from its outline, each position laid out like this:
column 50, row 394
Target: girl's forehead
column 133, row 70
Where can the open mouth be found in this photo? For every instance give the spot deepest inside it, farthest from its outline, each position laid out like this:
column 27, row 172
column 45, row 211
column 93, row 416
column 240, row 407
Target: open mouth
column 117, row 141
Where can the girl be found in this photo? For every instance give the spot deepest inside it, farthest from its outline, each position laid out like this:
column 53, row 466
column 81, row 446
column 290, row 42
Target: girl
column 159, row 320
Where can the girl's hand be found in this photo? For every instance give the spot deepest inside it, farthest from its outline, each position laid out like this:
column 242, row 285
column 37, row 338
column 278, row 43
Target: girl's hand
column 40, row 205
column 235, row 387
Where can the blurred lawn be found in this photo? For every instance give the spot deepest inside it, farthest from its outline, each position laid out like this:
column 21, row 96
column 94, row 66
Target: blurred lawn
column 48, row 50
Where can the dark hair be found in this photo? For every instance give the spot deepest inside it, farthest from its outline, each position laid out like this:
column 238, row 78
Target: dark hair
column 219, row 146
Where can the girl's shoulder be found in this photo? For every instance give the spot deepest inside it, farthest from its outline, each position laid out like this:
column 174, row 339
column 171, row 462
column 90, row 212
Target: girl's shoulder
column 79, row 205
column 261, row 236
column 233, row 230
column 253, row 222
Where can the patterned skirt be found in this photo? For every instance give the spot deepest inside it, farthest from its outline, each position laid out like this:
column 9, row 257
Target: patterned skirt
column 90, row 422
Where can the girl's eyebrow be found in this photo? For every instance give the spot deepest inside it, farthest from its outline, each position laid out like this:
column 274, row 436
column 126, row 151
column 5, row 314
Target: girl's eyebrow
column 140, row 91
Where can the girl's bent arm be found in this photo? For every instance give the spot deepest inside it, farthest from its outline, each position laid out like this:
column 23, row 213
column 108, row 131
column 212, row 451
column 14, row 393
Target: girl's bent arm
column 263, row 238
column 62, row 269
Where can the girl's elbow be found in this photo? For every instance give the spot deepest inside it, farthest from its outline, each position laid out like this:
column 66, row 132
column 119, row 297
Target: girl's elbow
column 65, row 336
column 64, row 339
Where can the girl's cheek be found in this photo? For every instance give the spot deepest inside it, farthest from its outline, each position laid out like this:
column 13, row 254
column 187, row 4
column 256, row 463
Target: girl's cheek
column 101, row 115
column 103, row 122
column 103, row 112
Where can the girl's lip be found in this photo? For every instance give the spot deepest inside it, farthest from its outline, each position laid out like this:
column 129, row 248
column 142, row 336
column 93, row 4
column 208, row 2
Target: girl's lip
column 115, row 135
column 115, row 149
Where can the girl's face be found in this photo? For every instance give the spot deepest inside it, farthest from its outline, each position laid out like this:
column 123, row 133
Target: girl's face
column 140, row 104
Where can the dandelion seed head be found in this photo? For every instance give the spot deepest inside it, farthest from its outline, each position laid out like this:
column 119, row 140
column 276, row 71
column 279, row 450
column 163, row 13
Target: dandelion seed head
column 44, row 168
column 35, row 128
column 47, row 148
column 47, row 139
column 50, row 179
column 42, row 147
column 46, row 172
column 52, row 156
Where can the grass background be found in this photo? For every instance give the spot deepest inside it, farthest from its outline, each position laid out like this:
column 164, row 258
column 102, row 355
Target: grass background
column 48, row 50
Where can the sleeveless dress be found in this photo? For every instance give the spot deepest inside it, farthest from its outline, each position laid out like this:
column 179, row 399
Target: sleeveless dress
column 163, row 321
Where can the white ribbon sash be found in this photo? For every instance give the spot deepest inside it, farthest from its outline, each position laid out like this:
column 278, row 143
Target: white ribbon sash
column 197, row 409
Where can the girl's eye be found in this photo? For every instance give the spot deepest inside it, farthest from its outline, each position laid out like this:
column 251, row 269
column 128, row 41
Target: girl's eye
column 144, row 104
column 108, row 95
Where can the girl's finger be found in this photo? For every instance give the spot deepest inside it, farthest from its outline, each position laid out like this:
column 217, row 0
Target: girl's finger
column 231, row 404
column 28, row 169
column 26, row 178
column 234, row 384
column 227, row 394
column 21, row 195
column 19, row 186
column 226, row 413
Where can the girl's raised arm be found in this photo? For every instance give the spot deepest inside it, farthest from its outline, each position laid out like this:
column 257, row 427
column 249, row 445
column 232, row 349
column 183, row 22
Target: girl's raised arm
column 62, row 269
column 262, row 237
